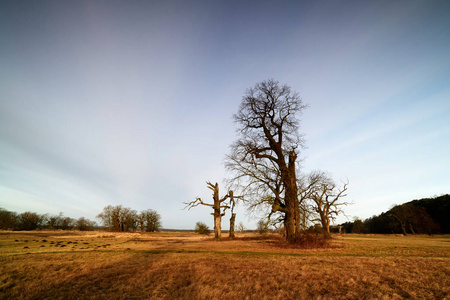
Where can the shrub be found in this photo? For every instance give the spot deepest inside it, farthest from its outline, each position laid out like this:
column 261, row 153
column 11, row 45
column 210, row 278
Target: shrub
column 313, row 240
column 202, row 228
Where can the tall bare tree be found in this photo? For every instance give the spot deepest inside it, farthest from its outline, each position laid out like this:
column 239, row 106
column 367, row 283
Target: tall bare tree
column 218, row 206
column 264, row 158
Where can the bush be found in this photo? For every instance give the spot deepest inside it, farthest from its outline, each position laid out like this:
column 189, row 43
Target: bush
column 202, row 228
column 313, row 239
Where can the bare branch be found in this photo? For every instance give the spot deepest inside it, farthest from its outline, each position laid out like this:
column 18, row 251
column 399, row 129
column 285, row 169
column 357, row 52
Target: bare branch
column 195, row 203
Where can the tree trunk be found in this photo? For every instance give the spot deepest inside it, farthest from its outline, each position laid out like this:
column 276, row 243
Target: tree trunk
column 297, row 217
column 217, row 215
column 292, row 215
column 232, row 219
column 289, row 224
column 328, row 229
column 217, row 225
column 325, row 222
column 403, row 228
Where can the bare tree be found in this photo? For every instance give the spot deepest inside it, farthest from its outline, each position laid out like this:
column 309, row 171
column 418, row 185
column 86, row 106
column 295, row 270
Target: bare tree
column 119, row 218
column 68, row 223
column 141, row 221
column 55, row 221
column 405, row 215
column 30, row 220
column 151, row 220
column 264, row 158
column 218, row 206
column 326, row 198
column 84, row 224
column 262, row 226
column 128, row 219
column 241, row 227
column 111, row 217
column 8, row 219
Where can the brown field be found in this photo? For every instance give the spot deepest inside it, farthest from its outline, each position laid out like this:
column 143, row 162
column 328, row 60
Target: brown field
column 174, row 265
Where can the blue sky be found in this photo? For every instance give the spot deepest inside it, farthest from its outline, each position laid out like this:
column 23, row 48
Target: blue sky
column 131, row 102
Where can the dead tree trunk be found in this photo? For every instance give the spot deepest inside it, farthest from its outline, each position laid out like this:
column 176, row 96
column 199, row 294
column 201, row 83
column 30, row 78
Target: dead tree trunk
column 217, row 224
column 217, row 211
column 232, row 220
column 219, row 208
column 233, row 215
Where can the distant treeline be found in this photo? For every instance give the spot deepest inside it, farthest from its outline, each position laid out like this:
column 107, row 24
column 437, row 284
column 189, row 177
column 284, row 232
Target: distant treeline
column 10, row 220
column 424, row 216
column 114, row 218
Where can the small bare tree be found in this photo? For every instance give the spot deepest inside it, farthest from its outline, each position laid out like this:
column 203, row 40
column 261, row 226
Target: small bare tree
column 326, row 198
column 241, row 227
column 218, row 206
column 262, row 226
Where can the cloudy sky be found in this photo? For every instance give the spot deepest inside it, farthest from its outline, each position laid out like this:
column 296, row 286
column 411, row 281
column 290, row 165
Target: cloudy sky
column 131, row 102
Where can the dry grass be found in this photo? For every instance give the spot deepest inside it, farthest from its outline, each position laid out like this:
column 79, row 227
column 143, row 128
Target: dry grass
column 189, row 266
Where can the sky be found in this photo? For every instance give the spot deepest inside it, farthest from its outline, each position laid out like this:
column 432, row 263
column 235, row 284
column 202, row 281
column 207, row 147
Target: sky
column 131, row 102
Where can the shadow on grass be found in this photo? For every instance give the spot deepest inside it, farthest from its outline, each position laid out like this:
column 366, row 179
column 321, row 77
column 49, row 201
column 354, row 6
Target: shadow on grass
column 139, row 276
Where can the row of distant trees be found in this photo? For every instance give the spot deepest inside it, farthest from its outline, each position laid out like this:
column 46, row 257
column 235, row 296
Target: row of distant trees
column 119, row 218
column 114, row 218
column 10, row 220
column 424, row 216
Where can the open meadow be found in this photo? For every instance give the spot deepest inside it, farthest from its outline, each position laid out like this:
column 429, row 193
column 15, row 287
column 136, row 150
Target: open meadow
column 105, row 265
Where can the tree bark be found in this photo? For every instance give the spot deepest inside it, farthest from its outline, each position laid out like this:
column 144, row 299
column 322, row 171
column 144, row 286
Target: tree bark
column 217, row 224
column 328, row 229
column 232, row 220
column 217, row 214
column 292, row 216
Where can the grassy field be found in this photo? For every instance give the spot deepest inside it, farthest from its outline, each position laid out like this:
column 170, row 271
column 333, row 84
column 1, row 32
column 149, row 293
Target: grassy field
column 103, row 265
